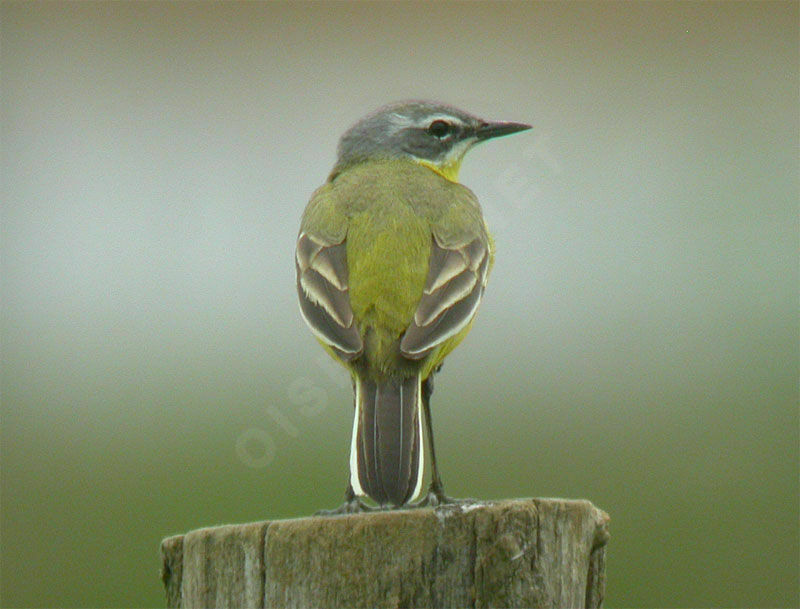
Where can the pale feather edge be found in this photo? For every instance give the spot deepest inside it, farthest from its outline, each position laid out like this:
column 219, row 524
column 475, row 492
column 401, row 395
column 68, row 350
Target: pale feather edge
column 323, row 337
column 420, row 467
column 452, row 332
column 354, row 481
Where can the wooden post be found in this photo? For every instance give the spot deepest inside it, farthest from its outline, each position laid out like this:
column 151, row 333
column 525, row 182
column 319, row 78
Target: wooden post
column 517, row 553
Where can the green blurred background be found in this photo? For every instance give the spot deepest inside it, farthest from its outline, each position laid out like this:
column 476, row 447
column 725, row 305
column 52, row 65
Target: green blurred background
column 638, row 343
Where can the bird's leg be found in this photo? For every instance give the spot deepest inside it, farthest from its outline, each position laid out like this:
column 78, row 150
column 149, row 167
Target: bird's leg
column 351, row 505
column 436, row 495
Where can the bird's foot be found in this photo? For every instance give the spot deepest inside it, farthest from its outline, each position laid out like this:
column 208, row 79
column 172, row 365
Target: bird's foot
column 351, row 506
column 436, row 498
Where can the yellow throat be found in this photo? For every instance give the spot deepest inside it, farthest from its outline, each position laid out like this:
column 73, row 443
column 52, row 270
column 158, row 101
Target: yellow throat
column 449, row 167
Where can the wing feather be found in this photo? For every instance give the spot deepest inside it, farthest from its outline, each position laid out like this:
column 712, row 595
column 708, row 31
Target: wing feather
column 455, row 284
column 438, row 301
column 444, row 265
column 323, row 290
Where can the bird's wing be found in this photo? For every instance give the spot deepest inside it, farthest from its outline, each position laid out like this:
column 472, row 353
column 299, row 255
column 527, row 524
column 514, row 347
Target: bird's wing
column 453, row 289
column 322, row 286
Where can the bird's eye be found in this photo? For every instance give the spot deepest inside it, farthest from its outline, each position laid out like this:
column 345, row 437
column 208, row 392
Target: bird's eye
column 440, row 129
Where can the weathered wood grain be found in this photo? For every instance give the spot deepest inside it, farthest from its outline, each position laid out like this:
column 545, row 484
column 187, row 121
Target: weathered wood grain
column 518, row 553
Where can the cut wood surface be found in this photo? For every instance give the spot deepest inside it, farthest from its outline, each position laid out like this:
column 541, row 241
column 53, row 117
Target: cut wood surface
column 515, row 553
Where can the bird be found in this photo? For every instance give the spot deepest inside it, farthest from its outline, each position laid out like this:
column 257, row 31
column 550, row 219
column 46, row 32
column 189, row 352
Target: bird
column 392, row 260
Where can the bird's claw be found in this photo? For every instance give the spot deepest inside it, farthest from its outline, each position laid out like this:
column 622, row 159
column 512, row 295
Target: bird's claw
column 352, row 506
column 436, row 498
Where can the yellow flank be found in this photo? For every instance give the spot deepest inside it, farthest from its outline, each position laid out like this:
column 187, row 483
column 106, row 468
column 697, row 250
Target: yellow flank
column 438, row 354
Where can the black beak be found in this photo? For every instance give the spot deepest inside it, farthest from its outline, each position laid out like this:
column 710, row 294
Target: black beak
column 487, row 131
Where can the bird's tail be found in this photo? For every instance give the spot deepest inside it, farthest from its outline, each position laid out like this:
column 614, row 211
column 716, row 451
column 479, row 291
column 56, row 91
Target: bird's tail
column 386, row 449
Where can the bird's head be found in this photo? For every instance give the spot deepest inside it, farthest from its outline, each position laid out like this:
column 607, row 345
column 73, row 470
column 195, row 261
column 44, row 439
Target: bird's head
column 432, row 134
